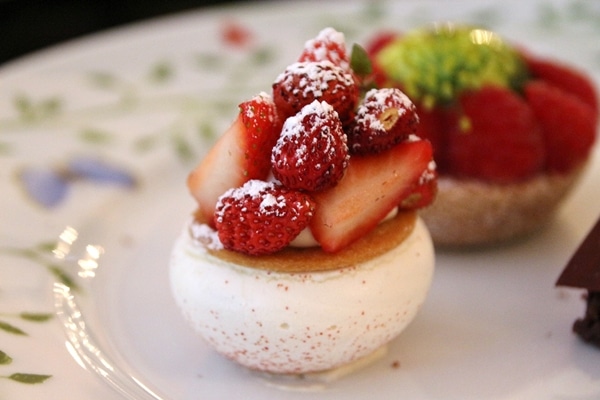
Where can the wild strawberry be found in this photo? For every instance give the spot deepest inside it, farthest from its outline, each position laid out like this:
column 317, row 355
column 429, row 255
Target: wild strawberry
column 261, row 218
column 384, row 118
column 494, row 136
column 374, row 184
column 242, row 153
column 329, row 45
column 303, row 82
column 564, row 77
column 568, row 124
column 311, row 153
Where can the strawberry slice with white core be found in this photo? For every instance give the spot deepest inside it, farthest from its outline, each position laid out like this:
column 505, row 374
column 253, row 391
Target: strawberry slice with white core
column 241, row 154
column 372, row 187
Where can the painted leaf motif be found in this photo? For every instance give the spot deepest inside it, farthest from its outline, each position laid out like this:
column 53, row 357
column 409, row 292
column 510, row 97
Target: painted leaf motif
column 29, row 378
column 36, row 317
column 45, row 186
column 5, row 359
column 6, row 327
column 100, row 171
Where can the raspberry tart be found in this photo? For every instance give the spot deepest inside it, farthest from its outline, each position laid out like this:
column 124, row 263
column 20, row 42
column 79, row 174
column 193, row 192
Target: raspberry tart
column 511, row 131
column 306, row 253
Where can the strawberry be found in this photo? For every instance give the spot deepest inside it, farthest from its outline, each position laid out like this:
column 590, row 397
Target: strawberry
column 568, row 124
column 303, row 82
column 329, row 45
column 242, row 153
column 381, row 40
column 564, row 77
column 374, row 184
column 261, row 218
column 384, row 118
column 423, row 191
column 311, row 153
column 432, row 126
column 494, row 137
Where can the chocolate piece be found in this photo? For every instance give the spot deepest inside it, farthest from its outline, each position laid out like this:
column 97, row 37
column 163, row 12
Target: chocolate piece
column 583, row 270
column 588, row 327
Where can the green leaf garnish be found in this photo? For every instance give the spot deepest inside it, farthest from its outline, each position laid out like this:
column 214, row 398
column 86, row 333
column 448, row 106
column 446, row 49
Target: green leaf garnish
column 360, row 61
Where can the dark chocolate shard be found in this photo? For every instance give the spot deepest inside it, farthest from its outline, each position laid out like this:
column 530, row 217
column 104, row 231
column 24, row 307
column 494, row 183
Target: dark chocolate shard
column 583, row 270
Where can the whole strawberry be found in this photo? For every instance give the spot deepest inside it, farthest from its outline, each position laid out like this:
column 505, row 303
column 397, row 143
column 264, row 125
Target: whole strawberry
column 303, row 82
column 261, row 217
column 385, row 117
column 311, row 153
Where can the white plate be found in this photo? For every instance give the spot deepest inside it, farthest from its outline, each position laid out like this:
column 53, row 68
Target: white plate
column 147, row 101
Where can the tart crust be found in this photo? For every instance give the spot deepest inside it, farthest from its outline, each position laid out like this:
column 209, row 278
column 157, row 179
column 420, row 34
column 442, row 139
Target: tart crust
column 469, row 212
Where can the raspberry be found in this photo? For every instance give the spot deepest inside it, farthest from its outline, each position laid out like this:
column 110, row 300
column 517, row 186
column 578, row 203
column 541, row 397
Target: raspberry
column 303, row 82
column 494, row 137
column 260, row 217
column 385, row 117
column 568, row 125
column 311, row 153
column 328, row 45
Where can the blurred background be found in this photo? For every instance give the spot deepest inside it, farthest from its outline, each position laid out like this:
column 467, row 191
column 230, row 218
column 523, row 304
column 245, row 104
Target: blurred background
column 29, row 25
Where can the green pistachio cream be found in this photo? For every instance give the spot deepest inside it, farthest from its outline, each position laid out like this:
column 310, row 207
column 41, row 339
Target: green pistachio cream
column 434, row 65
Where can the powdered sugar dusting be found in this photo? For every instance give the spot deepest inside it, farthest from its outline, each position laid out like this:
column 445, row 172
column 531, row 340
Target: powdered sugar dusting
column 293, row 130
column 318, row 46
column 312, row 79
column 205, row 235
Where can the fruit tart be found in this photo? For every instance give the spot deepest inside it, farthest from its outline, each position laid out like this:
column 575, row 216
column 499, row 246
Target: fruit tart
column 511, row 131
column 306, row 253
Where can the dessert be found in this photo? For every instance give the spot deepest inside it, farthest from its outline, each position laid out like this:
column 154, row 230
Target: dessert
column 306, row 253
column 583, row 271
column 511, row 131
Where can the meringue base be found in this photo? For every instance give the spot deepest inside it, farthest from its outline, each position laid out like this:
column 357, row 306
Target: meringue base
column 301, row 322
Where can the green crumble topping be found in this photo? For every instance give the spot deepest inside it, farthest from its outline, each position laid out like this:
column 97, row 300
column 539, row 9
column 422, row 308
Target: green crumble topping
column 435, row 65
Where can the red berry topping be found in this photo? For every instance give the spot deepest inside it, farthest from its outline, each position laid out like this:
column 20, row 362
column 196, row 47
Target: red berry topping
column 260, row 217
column 328, row 45
column 564, row 77
column 303, row 82
column 373, row 186
column 311, row 153
column 384, row 118
column 568, row 125
column 423, row 191
column 494, row 137
column 263, row 127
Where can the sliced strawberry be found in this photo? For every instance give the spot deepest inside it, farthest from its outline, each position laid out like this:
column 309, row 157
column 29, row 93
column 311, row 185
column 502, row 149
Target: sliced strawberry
column 494, row 137
column 311, row 153
column 373, row 185
column 423, row 191
column 329, row 45
column 384, row 118
column 564, row 77
column 261, row 218
column 263, row 127
column 242, row 153
column 568, row 124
